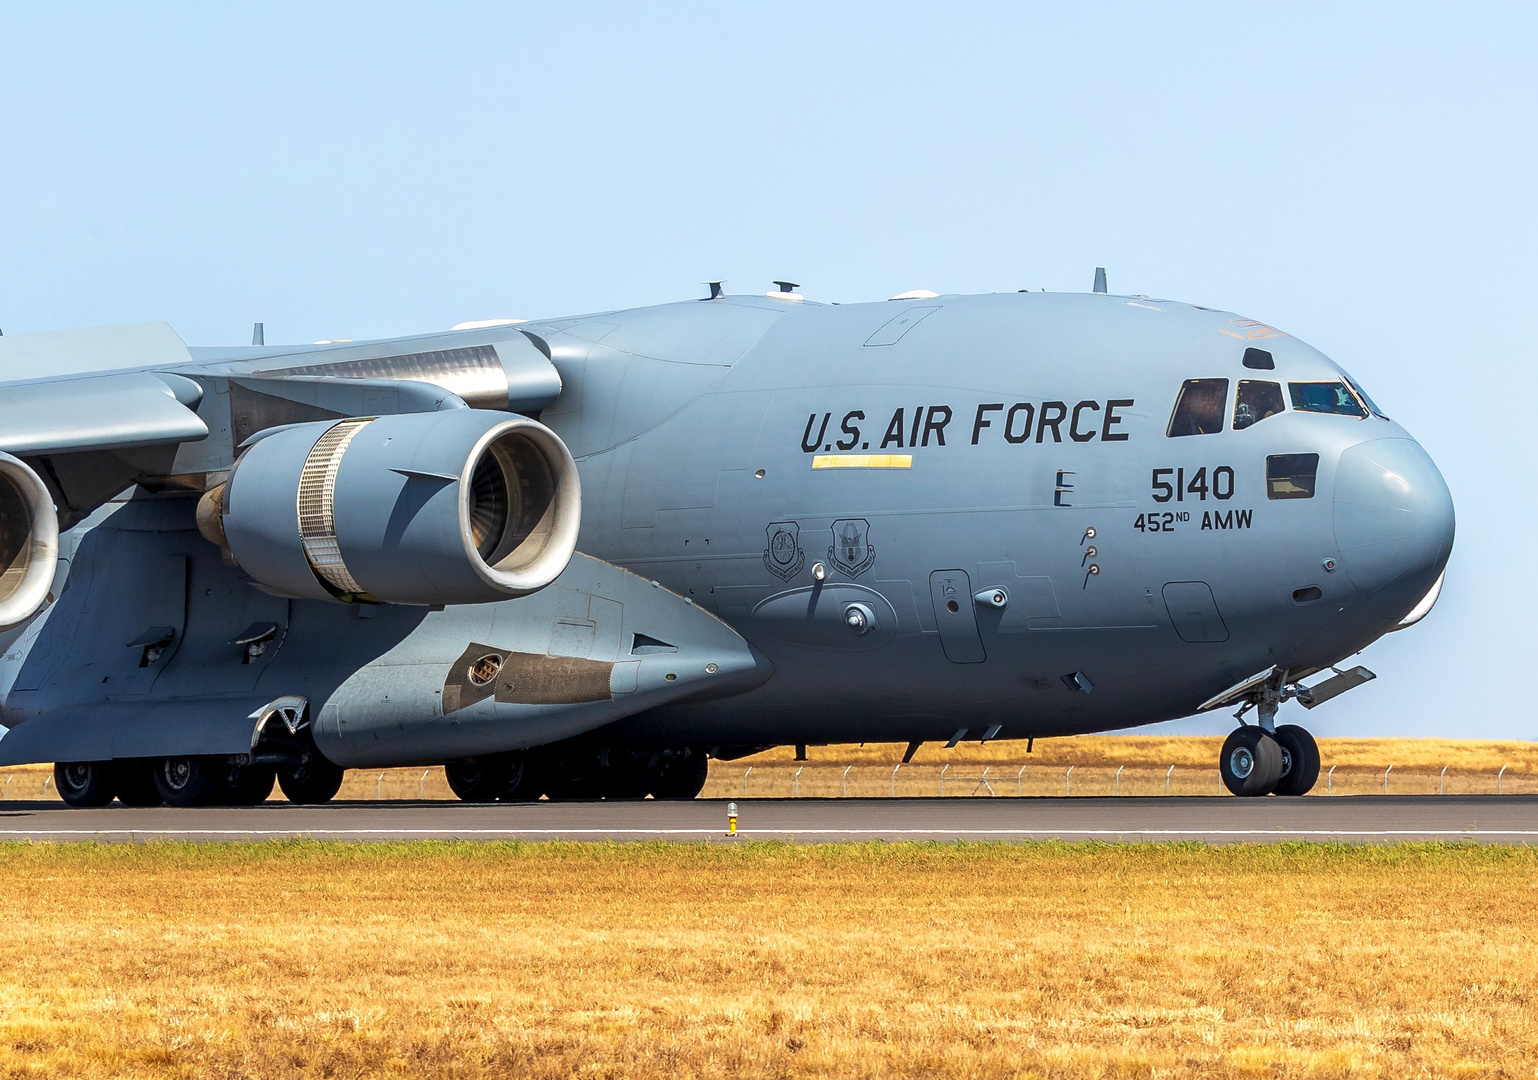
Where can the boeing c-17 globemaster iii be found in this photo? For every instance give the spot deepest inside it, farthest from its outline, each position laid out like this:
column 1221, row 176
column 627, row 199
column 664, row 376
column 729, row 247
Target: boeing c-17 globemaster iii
column 578, row 557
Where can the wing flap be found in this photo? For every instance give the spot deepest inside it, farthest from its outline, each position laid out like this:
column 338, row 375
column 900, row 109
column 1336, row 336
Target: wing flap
column 108, row 412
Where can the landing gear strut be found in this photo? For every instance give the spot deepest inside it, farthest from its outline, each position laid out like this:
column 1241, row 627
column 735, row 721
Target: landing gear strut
column 1266, row 759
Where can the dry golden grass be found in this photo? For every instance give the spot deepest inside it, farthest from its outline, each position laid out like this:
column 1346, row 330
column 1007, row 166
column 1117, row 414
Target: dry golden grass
column 1472, row 768
column 313, row 960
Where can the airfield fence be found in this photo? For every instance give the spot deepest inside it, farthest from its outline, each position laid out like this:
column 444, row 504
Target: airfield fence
column 833, row 780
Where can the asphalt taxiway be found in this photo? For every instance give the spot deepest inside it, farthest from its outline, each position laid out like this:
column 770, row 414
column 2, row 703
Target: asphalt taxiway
column 1511, row 819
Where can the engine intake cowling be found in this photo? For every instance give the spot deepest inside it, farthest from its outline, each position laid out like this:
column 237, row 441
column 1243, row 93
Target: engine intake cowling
column 457, row 507
column 29, row 541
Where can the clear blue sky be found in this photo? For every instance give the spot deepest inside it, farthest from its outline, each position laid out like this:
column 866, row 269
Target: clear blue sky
column 1362, row 176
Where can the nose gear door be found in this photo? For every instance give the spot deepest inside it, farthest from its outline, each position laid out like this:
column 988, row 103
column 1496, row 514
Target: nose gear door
column 956, row 617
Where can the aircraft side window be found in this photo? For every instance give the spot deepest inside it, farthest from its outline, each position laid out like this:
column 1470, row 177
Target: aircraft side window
column 1372, row 406
column 1199, row 408
column 1291, row 476
column 1325, row 397
column 1256, row 401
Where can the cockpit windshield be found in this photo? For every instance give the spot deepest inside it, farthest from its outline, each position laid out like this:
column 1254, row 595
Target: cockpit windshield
column 1199, row 408
column 1325, row 397
column 1256, row 401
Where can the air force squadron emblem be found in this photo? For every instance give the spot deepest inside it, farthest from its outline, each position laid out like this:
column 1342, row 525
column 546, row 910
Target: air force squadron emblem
column 783, row 557
column 852, row 551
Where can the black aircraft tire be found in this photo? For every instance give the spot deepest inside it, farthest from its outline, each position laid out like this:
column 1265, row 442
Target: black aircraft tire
column 1302, row 769
column 252, row 786
column 188, row 781
column 631, row 779
column 136, row 783
column 1251, row 762
column 478, row 779
column 525, row 783
column 579, row 776
column 85, row 783
column 311, row 782
column 681, row 777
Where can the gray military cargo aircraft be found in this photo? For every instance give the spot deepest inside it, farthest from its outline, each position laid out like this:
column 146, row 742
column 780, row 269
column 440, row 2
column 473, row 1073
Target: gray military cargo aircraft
column 577, row 557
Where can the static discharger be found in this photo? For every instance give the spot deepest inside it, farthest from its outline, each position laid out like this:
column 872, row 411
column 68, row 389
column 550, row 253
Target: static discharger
column 731, row 819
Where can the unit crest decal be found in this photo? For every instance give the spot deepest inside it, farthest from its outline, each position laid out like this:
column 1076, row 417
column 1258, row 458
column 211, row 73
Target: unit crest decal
column 783, row 557
column 852, row 551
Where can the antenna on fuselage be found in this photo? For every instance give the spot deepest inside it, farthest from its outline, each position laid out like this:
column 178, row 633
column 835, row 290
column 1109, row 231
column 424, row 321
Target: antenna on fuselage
column 715, row 289
column 1100, row 279
column 258, row 335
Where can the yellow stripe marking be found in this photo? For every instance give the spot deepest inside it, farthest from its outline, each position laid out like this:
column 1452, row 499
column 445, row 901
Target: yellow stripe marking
column 863, row 461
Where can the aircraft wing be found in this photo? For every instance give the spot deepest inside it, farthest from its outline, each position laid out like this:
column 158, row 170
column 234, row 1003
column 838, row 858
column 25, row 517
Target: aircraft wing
column 68, row 391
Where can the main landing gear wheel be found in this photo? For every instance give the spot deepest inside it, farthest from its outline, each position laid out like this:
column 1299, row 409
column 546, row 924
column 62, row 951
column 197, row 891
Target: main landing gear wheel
column 85, row 783
column 1252, row 762
column 312, row 781
column 681, row 777
column 508, row 777
column 136, row 783
column 630, row 777
column 251, row 786
column 577, row 775
column 1300, row 764
column 524, row 782
column 188, row 781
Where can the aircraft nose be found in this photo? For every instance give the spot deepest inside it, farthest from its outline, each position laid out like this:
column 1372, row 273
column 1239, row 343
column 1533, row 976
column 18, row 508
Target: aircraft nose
column 1393, row 523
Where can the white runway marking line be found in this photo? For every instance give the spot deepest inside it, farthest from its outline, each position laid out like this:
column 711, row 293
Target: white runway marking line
column 770, row 833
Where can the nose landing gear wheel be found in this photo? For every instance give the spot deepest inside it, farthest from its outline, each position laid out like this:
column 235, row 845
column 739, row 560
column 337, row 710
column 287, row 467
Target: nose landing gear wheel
column 1251, row 763
column 1301, row 771
column 85, row 783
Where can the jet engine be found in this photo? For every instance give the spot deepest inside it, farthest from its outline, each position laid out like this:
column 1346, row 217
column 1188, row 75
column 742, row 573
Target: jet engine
column 29, row 541
column 458, row 507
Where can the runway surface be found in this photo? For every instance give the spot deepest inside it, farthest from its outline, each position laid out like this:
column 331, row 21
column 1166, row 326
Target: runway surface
column 1511, row 819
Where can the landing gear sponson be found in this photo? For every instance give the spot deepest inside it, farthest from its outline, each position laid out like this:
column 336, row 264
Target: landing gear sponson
column 1267, row 759
column 560, row 773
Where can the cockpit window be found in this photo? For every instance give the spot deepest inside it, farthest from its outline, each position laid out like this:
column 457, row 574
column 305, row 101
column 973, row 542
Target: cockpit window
column 1256, row 401
column 1356, row 386
column 1291, row 476
column 1199, row 408
column 1325, row 397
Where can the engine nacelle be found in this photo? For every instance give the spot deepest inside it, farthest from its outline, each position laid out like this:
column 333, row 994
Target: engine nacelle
column 29, row 541
column 458, row 507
